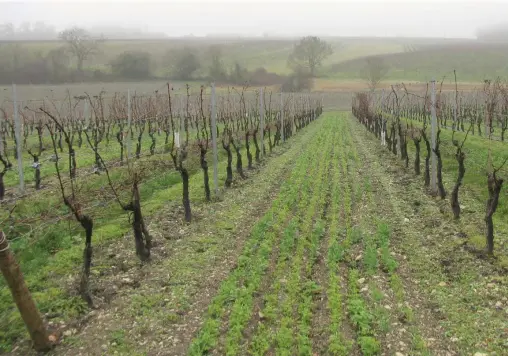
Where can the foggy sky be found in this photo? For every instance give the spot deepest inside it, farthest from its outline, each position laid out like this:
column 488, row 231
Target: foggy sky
column 334, row 18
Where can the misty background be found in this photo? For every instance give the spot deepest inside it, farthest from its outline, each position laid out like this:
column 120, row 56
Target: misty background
column 247, row 18
column 252, row 43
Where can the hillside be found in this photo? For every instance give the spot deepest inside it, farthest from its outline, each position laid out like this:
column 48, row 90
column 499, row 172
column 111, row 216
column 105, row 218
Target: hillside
column 474, row 61
column 271, row 53
column 409, row 59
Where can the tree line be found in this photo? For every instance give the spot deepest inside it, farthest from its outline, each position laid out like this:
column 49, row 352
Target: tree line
column 68, row 61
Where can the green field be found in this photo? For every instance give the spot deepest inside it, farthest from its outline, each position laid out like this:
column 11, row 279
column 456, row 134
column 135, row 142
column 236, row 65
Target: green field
column 250, row 53
column 473, row 61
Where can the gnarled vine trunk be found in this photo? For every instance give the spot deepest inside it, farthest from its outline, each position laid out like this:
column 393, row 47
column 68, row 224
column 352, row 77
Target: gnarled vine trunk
column 440, row 186
column 119, row 138
column 255, row 139
column 142, row 239
column 417, row 156
column 239, row 165
column 185, row 194
column 229, row 169
column 459, row 156
column 87, row 224
column 494, row 186
column 2, row 185
column 204, row 167
column 427, row 159
column 247, row 147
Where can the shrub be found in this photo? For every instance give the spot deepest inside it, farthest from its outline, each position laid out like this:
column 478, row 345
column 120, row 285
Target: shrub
column 132, row 65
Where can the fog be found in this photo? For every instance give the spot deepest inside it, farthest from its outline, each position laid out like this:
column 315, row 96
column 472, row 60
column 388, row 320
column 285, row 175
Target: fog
column 450, row 19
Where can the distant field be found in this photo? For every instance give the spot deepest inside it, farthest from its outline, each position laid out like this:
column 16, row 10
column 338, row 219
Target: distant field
column 60, row 91
column 269, row 53
column 329, row 85
column 474, row 62
column 340, row 85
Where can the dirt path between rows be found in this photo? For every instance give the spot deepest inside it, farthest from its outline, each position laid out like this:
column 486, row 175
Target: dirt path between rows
column 391, row 204
column 457, row 298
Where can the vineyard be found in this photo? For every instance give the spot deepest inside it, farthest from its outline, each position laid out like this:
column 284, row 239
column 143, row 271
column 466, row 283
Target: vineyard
column 90, row 166
column 376, row 232
column 438, row 127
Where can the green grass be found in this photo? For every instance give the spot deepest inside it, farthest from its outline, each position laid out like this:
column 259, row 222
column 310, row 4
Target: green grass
column 473, row 193
column 360, row 316
column 456, row 277
column 49, row 249
column 356, row 222
column 298, row 292
column 389, row 264
column 337, row 342
column 289, row 298
column 363, row 317
column 239, row 287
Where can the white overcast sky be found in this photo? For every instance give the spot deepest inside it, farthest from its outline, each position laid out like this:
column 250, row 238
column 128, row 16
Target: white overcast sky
column 338, row 18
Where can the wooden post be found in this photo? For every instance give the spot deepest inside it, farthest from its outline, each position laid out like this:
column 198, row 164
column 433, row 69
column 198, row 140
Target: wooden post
column 22, row 297
column 213, row 112
column 282, row 116
column 433, row 177
column 19, row 144
column 129, row 123
column 262, row 120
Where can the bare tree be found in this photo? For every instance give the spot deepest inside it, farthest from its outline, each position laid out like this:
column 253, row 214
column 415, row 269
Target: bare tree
column 80, row 44
column 309, row 53
column 374, row 72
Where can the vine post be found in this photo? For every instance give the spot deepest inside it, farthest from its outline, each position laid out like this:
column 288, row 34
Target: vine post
column 321, row 99
column 456, row 106
column 86, row 113
column 213, row 113
column 129, row 121
column 18, row 139
column 182, row 118
column 1, row 138
column 282, row 116
column 262, row 119
column 293, row 114
column 433, row 183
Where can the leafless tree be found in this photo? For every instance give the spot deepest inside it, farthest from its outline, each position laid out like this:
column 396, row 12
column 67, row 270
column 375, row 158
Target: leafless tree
column 80, row 44
column 374, row 72
column 309, row 53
